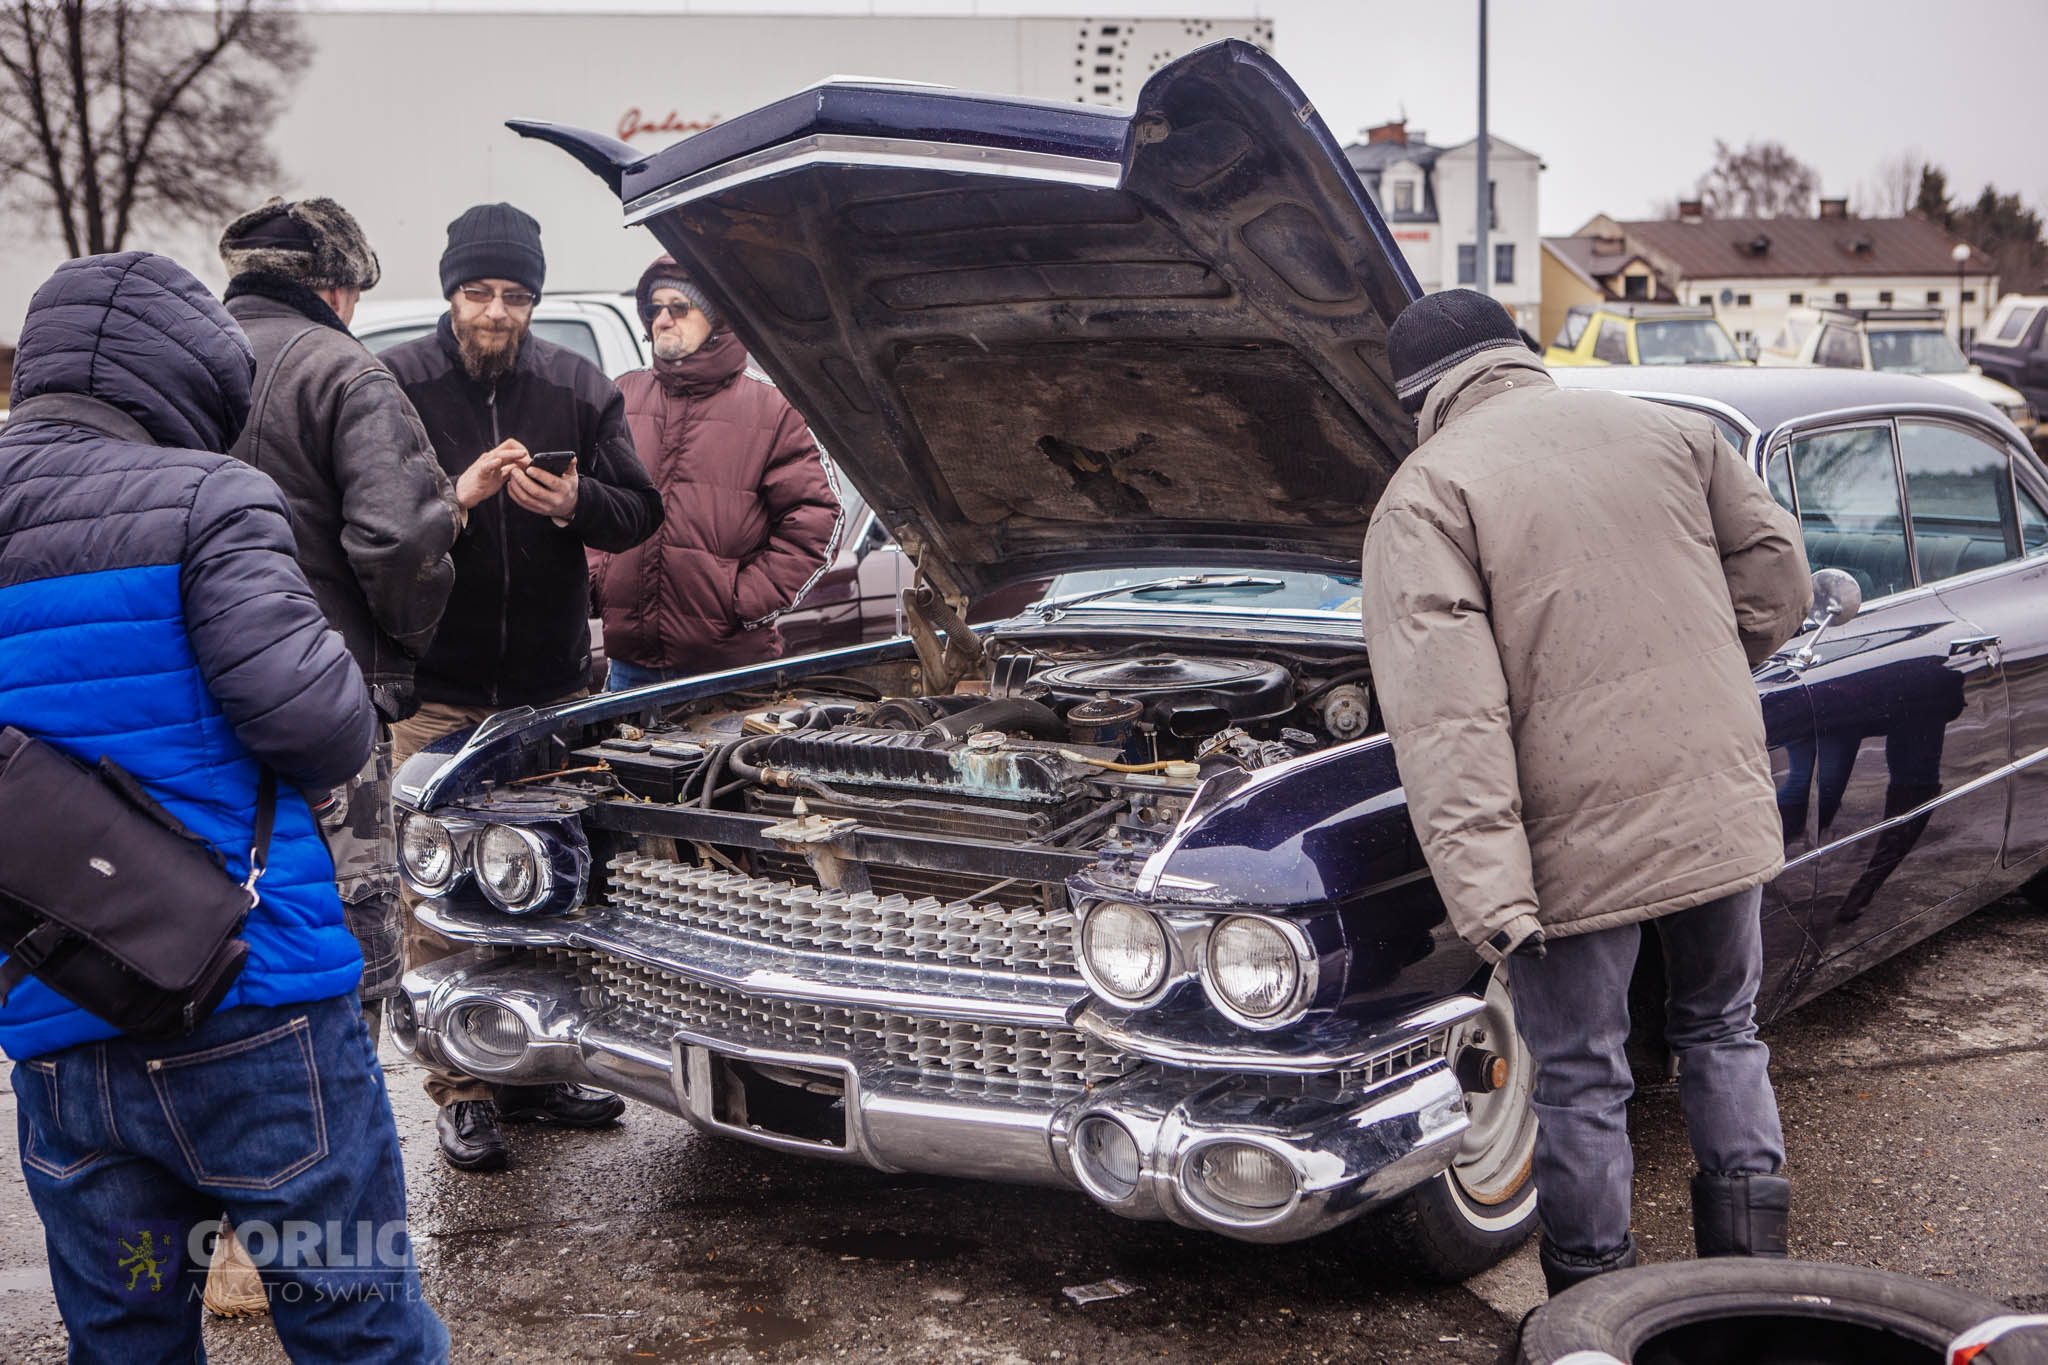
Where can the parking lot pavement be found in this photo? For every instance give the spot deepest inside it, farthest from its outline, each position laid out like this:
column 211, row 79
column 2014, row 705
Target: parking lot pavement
column 1912, row 1109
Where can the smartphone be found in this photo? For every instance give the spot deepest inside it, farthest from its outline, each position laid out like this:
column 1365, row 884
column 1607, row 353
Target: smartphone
column 555, row 462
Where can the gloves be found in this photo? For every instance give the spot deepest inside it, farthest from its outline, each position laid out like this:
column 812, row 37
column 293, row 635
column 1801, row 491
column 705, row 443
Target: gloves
column 1522, row 935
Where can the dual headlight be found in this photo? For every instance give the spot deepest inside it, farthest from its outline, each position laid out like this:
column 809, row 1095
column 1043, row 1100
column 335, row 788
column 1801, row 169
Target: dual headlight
column 514, row 864
column 1261, row 972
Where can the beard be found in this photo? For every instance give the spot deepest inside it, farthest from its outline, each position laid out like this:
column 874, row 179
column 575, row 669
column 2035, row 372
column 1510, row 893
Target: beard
column 670, row 346
column 488, row 352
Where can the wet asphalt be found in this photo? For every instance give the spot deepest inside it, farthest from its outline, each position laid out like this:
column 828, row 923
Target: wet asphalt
column 1913, row 1111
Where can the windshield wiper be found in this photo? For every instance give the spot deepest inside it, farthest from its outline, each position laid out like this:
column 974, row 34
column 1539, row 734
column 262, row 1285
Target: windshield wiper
column 1052, row 610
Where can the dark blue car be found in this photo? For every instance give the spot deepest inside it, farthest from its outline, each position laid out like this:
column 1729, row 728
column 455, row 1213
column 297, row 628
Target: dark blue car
column 1115, row 888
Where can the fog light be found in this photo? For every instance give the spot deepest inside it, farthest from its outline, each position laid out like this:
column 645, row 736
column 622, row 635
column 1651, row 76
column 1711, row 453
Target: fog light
column 428, row 851
column 1243, row 1178
column 489, row 1035
column 1254, row 969
column 1125, row 951
column 1106, row 1155
column 512, row 865
column 405, row 1025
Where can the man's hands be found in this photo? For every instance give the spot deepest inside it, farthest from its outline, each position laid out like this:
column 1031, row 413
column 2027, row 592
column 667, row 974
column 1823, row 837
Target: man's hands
column 1521, row 936
column 510, row 467
column 482, row 480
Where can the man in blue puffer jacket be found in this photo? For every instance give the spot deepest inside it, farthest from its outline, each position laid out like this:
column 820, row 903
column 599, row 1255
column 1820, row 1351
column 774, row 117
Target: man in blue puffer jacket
column 151, row 611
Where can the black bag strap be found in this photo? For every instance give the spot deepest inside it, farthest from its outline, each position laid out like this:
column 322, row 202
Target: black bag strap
column 30, row 952
column 259, row 840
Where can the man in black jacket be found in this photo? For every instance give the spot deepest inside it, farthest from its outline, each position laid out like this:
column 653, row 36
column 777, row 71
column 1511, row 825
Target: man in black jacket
column 516, row 631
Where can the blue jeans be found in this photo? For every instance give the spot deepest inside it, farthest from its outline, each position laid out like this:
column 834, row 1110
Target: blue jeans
column 624, row 677
column 275, row 1114
column 1571, row 1008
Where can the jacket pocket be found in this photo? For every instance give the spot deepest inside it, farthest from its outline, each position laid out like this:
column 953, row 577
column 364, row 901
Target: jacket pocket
column 46, row 1147
column 247, row 1115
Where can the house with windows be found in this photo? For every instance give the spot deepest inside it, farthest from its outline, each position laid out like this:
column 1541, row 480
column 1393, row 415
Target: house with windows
column 1429, row 197
column 1753, row 271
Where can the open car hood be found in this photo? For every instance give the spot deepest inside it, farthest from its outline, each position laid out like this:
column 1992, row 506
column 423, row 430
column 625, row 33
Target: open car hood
column 1042, row 337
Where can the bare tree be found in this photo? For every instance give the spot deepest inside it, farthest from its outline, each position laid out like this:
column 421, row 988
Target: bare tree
column 117, row 112
column 1761, row 180
column 1892, row 188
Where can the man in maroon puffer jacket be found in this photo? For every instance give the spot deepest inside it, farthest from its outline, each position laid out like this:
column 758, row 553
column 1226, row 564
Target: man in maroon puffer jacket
column 749, row 510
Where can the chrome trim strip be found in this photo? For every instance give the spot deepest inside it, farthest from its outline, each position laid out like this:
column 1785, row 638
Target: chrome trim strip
column 1326, row 1046
column 844, row 149
column 1969, row 788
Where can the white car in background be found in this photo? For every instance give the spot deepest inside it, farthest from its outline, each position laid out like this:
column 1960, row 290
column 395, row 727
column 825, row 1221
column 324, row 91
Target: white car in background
column 598, row 325
column 1899, row 340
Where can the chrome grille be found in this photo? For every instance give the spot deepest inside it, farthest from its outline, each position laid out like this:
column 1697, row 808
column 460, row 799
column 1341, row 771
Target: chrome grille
column 950, row 1050
column 1380, row 1069
column 984, row 935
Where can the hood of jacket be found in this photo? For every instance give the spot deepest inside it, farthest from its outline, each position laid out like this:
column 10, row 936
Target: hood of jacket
column 138, row 332
column 704, row 371
column 1468, row 384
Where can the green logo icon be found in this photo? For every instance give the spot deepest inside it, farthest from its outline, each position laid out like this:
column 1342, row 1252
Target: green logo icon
column 147, row 1253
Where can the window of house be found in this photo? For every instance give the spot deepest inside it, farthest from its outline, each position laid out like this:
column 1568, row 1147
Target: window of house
column 1841, row 300
column 1504, row 263
column 1795, row 298
column 1706, row 300
column 1969, row 296
column 1468, row 263
column 1635, row 286
column 1884, row 296
column 1492, row 204
column 1959, row 492
column 1404, row 196
column 1742, row 300
column 1934, row 296
column 1612, row 343
column 1839, row 349
column 1849, row 508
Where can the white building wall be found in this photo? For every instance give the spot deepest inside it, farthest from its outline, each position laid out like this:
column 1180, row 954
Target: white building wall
column 1515, row 174
column 401, row 116
column 1769, row 300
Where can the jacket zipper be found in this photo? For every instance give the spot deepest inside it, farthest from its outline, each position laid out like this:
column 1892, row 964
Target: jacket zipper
column 504, row 555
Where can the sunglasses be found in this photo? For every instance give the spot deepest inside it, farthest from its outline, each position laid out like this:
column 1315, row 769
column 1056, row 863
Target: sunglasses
column 676, row 311
column 515, row 299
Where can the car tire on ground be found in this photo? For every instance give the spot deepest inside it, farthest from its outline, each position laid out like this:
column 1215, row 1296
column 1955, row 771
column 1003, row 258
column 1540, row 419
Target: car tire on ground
column 1479, row 1211
column 1766, row 1312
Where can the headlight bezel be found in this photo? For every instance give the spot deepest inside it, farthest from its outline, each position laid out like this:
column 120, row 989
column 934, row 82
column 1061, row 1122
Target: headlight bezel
column 1172, row 964
column 539, row 859
column 557, row 841
column 456, row 860
column 1294, row 1003
column 1315, row 939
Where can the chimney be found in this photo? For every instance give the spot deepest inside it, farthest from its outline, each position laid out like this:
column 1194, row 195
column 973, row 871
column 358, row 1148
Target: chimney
column 1691, row 211
column 1834, row 208
column 1396, row 131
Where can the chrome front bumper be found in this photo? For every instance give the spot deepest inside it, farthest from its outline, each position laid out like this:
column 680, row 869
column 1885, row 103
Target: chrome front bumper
column 1347, row 1149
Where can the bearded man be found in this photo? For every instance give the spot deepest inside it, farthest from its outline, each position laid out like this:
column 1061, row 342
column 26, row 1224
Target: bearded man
column 516, row 631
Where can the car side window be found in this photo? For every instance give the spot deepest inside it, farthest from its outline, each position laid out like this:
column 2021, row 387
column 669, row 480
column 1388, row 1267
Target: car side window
column 1778, row 478
column 1959, row 490
column 577, row 336
column 1569, row 334
column 2016, row 325
column 1849, row 508
column 1839, row 349
column 2033, row 525
column 1612, row 343
column 392, row 336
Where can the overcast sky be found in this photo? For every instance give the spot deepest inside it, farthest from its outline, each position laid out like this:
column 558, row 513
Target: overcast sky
column 1622, row 100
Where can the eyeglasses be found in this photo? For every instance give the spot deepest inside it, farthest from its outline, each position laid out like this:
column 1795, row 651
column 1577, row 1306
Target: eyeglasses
column 677, row 311
column 515, row 299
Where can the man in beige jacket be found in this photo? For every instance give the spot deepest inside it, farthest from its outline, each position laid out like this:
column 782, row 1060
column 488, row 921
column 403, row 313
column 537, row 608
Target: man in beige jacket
column 1564, row 594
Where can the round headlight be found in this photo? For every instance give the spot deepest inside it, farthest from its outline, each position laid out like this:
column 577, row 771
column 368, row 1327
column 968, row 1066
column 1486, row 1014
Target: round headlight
column 1244, row 1179
column 512, row 865
column 1125, row 950
column 1253, row 968
column 489, row 1036
column 428, row 852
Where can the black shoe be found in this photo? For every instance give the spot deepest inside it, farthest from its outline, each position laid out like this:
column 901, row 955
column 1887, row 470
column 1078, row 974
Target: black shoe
column 470, row 1140
column 1741, row 1214
column 1563, row 1269
column 571, row 1106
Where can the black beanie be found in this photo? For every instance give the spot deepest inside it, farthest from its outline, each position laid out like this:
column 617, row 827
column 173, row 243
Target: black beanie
column 493, row 242
column 1436, row 332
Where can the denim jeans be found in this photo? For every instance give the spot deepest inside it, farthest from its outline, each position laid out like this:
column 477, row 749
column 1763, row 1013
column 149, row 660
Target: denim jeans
column 624, row 677
column 1571, row 1008
column 275, row 1114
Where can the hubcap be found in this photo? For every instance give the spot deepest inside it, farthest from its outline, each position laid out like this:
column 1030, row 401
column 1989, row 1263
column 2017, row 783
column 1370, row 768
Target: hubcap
column 1492, row 1164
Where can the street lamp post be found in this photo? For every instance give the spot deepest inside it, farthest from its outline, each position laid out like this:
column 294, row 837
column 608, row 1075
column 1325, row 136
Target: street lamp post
column 1959, row 254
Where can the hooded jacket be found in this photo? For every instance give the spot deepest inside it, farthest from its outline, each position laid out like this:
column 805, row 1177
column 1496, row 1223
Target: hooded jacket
column 151, row 610
column 749, row 514
column 1563, row 595
column 372, row 513
column 516, row 631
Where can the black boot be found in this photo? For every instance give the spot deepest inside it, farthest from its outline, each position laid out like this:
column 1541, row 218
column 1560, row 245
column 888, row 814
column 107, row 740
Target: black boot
column 1740, row 1214
column 571, row 1106
column 470, row 1140
column 1563, row 1269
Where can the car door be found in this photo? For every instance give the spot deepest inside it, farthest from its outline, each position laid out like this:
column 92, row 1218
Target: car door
column 1896, row 802
column 1980, row 536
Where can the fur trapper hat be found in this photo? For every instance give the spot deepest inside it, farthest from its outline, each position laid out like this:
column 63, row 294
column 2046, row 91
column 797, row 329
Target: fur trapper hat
column 313, row 242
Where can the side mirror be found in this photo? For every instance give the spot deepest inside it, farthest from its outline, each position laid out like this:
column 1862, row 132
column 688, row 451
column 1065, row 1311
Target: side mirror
column 1836, row 600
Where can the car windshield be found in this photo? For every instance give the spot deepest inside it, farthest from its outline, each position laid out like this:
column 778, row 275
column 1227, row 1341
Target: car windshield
column 1692, row 341
column 1925, row 351
column 1259, row 589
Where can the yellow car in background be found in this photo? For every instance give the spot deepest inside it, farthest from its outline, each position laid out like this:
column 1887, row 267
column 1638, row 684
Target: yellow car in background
column 1642, row 334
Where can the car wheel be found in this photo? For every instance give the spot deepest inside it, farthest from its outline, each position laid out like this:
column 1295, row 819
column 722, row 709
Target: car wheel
column 1484, row 1206
column 1771, row 1312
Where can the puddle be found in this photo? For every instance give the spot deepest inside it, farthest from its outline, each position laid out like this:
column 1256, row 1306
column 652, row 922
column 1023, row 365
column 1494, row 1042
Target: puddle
column 895, row 1246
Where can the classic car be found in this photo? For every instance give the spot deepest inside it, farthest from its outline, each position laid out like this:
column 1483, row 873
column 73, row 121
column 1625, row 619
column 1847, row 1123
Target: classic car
column 2012, row 348
column 1895, row 340
column 1619, row 333
column 1118, row 892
